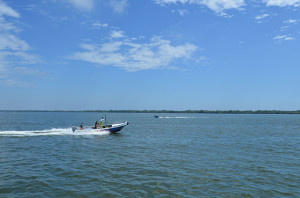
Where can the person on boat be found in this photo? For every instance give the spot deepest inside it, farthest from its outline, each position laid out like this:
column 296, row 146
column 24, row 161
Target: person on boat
column 96, row 124
column 101, row 123
column 81, row 126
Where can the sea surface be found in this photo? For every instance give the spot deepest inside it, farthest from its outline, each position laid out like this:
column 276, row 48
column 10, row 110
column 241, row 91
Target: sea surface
column 179, row 155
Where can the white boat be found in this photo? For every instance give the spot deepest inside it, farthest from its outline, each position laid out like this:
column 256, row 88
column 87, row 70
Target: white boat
column 112, row 128
column 156, row 116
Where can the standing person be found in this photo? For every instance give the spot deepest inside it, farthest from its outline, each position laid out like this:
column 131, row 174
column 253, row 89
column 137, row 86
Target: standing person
column 101, row 123
column 96, row 124
column 81, row 126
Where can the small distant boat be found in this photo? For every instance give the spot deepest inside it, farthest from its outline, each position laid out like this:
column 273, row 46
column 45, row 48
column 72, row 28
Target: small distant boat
column 156, row 116
column 112, row 128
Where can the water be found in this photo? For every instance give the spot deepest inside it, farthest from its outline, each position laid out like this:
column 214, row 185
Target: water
column 181, row 155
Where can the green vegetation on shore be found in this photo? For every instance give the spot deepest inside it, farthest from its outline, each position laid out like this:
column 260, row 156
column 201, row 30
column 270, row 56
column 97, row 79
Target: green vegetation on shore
column 169, row 111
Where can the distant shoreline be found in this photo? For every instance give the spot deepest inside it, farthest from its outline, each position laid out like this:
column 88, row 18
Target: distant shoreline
column 169, row 111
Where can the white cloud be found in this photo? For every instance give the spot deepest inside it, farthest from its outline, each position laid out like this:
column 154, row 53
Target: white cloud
column 84, row 5
column 259, row 17
column 119, row 6
column 13, row 82
column 283, row 38
column 28, row 71
column 111, row 47
column 181, row 12
column 7, row 26
column 288, row 24
column 20, row 57
column 163, row 2
column 220, row 5
column 284, row 28
column 13, row 50
column 117, row 34
column 290, row 21
column 5, row 10
column 216, row 5
column 282, row 3
column 130, row 55
column 99, row 25
column 11, row 42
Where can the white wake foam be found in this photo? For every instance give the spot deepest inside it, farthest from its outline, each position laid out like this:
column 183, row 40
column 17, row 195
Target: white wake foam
column 177, row 117
column 53, row 131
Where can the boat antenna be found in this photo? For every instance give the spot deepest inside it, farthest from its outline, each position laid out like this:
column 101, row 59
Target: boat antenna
column 105, row 119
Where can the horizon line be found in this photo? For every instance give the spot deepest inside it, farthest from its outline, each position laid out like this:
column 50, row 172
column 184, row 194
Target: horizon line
column 172, row 111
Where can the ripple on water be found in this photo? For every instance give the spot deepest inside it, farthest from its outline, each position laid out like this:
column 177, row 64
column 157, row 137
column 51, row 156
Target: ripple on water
column 223, row 156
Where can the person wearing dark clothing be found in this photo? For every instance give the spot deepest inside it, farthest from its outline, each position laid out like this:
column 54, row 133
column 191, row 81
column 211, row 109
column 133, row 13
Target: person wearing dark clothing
column 96, row 124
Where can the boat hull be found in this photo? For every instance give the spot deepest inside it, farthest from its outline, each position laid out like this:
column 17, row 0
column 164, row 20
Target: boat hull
column 114, row 128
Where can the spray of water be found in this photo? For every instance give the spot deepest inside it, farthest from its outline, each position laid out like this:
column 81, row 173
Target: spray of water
column 52, row 132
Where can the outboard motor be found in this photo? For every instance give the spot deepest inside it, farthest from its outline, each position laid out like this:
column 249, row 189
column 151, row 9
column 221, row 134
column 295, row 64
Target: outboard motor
column 74, row 128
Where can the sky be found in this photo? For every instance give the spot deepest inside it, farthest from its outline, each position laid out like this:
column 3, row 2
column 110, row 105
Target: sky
column 150, row 55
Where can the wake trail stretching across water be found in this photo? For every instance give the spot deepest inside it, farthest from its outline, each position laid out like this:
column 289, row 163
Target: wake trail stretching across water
column 53, row 131
column 167, row 117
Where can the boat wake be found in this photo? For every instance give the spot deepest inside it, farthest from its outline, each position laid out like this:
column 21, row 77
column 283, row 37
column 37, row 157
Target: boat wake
column 51, row 132
column 162, row 117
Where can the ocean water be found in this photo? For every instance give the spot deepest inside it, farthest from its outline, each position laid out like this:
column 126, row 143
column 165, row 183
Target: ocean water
column 180, row 155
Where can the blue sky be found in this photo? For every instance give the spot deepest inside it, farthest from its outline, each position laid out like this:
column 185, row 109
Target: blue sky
column 149, row 54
